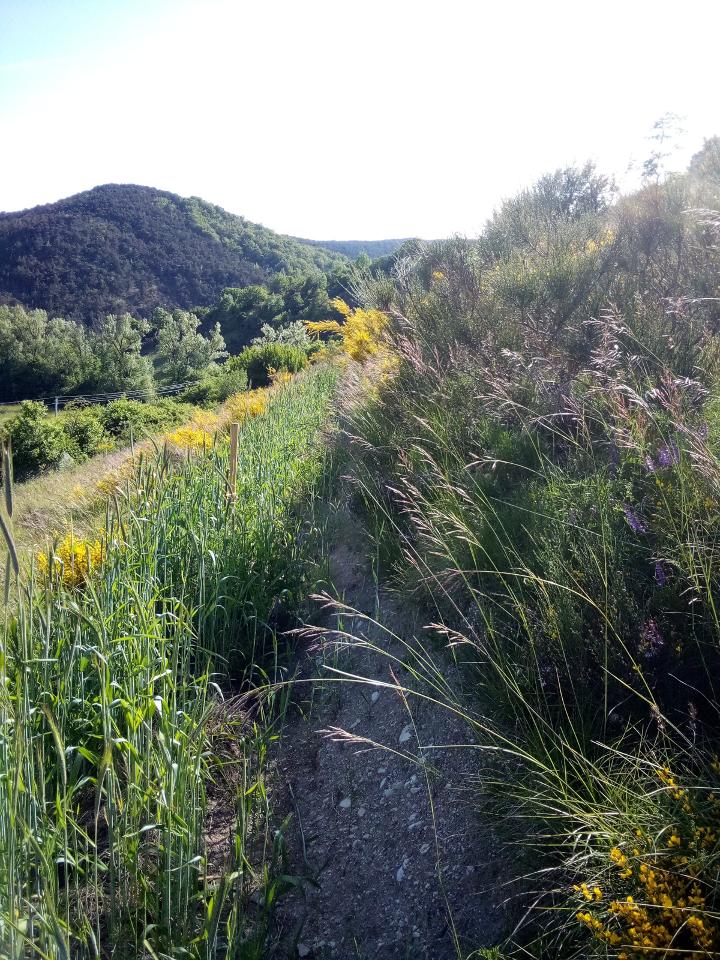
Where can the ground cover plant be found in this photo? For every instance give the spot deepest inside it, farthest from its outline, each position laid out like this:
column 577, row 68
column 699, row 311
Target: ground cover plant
column 538, row 456
column 123, row 658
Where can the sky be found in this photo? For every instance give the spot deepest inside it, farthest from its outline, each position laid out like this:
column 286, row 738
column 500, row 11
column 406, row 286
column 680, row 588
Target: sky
column 345, row 120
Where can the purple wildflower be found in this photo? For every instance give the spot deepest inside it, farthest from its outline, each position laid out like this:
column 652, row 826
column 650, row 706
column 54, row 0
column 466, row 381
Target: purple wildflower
column 660, row 577
column 637, row 524
column 650, row 464
column 669, row 455
column 651, row 640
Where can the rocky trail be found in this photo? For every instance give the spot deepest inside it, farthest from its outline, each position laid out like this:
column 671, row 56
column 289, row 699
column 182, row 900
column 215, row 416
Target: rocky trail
column 382, row 823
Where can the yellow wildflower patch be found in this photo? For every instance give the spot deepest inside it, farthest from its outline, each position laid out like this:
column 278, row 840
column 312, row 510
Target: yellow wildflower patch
column 196, row 435
column 319, row 327
column 362, row 330
column 72, row 561
column 242, row 406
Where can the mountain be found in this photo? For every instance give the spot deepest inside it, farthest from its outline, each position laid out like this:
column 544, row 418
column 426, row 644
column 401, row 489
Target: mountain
column 353, row 248
column 122, row 247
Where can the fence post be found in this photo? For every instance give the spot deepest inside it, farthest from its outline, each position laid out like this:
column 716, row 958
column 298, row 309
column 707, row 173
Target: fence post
column 57, row 404
column 232, row 476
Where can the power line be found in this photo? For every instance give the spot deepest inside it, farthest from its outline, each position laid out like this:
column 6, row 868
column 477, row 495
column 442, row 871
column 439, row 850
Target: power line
column 90, row 398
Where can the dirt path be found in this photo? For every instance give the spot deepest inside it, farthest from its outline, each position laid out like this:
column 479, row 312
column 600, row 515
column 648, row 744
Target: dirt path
column 393, row 845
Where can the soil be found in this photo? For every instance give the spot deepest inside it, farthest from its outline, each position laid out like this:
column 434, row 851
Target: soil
column 380, row 789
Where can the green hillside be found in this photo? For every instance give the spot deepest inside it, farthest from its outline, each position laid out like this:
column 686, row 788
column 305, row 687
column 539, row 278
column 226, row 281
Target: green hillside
column 122, row 247
column 353, row 248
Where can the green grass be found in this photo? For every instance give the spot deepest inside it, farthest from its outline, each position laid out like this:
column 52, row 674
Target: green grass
column 112, row 698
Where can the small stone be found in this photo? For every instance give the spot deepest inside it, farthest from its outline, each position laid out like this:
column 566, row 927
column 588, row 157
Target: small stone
column 303, row 950
column 345, row 803
column 424, row 848
column 400, row 875
column 375, row 696
column 406, row 733
column 361, row 811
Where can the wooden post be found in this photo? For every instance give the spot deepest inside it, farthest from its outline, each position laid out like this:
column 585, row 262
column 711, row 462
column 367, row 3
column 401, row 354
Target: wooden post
column 232, row 476
column 57, row 404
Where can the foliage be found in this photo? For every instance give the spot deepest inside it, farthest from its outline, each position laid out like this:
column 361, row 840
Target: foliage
column 84, row 432
column 115, row 654
column 182, row 352
column 42, row 356
column 281, row 304
column 293, row 334
column 37, row 439
column 357, row 248
column 198, row 434
column 118, row 342
column 361, row 330
column 72, row 561
column 124, row 418
column 126, row 248
column 246, row 405
column 260, row 361
column 40, row 438
column 541, row 464
column 218, row 387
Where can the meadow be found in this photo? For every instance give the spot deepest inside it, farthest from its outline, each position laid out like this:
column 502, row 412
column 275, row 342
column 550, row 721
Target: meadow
column 123, row 659
column 538, row 456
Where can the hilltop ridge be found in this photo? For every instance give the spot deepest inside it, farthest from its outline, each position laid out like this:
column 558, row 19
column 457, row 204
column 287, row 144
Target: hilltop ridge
column 124, row 247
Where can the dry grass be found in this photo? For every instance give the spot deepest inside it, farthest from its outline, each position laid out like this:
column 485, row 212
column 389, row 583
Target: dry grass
column 53, row 503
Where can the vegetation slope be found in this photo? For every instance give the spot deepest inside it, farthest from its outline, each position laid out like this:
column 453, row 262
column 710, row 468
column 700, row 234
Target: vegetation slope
column 122, row 247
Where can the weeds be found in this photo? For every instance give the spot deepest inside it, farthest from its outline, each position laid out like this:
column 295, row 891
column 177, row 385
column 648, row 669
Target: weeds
column 540, row 467
column 114, row 662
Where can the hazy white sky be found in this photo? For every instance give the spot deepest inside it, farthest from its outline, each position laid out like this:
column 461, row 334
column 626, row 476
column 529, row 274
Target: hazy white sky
column 343, row 119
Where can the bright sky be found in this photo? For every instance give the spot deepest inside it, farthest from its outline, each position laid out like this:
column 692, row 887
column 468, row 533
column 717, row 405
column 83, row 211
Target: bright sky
column 335, row 119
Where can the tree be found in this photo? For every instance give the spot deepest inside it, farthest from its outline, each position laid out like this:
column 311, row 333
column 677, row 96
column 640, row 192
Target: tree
column 42, row 356
column 117, row 342
column 183, row 352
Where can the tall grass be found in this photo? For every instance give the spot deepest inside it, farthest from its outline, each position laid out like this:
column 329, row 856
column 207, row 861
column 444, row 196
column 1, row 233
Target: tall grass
column 111, row 692
column 541, row 469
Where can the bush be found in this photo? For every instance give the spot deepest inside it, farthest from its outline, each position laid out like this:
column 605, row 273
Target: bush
column 84, row 432
column 123, row 418
column 218, row 388
column 258, row 362
column 37, row 439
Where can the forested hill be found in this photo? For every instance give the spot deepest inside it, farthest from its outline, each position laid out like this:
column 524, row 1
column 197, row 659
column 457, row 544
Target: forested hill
column 353, row 248
column 123, row 247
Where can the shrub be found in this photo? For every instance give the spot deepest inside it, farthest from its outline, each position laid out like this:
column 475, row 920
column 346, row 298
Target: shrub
column 217, row 388
column 37, row 439
column 259, row 361
column 84, row 432
column 246, row 405
column 71, row 561
column 121, row 418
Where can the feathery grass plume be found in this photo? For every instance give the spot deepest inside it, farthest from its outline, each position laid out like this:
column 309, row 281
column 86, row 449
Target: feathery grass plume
column 542, row 473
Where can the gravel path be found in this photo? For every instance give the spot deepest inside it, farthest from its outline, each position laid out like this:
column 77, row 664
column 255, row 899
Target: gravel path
column 398, row 861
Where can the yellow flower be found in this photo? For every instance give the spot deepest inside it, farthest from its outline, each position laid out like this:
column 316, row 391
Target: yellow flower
column 243, row 406
column 72, row 561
